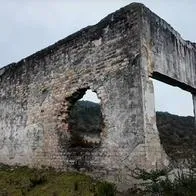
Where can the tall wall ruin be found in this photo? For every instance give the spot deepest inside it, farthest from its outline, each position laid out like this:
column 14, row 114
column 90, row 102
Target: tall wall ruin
column 116, row 59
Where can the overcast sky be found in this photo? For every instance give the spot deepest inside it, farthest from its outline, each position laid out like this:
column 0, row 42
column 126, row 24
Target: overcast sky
column 28, row 26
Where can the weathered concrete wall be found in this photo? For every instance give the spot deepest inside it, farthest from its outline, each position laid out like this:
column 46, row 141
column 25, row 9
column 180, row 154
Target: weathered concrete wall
column 113, row 58
column 194, row 106
column 165, row 57
column 36, row 94
column 170, row 58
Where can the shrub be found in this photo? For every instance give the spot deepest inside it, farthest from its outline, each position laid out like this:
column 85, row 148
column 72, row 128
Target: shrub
column 105, row 189
column 179, row 182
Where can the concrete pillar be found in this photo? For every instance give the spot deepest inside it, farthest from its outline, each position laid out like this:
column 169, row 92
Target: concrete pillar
column 155, row 154
column 194, row 106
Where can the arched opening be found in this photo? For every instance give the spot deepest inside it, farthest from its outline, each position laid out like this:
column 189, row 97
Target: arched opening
column 175, row 121
column 85, row 120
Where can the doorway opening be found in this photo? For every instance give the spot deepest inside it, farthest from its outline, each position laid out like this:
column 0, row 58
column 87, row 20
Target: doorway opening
column 175, row 121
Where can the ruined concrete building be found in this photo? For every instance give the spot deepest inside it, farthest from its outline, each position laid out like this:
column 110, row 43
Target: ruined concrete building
column 115, row 58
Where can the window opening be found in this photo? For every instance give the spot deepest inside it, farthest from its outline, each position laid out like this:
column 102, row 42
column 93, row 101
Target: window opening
column 175, row 121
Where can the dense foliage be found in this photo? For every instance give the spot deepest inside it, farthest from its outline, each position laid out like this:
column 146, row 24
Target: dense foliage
column 85, row 116
column 177, row 134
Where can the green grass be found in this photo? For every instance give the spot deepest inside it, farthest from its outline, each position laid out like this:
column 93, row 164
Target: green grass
column 22, row 181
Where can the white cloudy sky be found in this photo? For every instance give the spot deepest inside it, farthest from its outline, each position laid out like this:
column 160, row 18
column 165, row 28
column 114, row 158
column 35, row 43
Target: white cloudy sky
column 28, row 26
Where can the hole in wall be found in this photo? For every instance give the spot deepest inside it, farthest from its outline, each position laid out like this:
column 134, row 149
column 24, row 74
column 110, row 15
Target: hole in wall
column 85, row 120
column 175, row 121
column 172, row 99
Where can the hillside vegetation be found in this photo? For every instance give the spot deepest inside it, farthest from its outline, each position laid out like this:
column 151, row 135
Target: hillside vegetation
column 22, row 181
column 86, row 117
column 177, row 134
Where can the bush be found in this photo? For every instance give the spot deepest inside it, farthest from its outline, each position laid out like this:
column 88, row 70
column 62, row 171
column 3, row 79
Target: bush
column 105, row 189
column 179, row 182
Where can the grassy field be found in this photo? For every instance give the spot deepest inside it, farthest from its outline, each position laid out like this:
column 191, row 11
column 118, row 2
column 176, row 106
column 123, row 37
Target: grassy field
column 22, row 181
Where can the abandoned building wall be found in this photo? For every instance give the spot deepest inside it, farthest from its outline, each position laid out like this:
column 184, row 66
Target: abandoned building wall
column 170, row 58
column 36, row 94
column 113, row 58
column 165, row 57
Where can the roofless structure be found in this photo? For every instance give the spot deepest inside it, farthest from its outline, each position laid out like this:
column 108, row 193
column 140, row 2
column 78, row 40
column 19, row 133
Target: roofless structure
column 115, row 58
